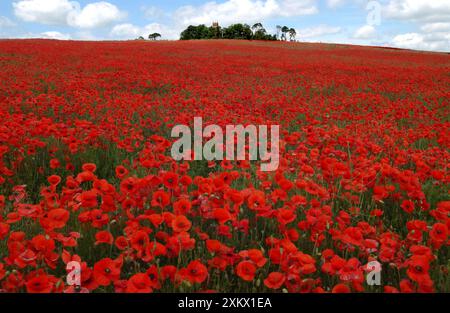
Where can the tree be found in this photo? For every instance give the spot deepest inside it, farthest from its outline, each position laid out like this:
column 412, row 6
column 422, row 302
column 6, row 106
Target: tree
column 261, row 34
column 278, row 31
column 292, row 34
column 256, row 27
column 196, row 32
column 154, row 36
column 238, row 31
column 284, row 31
column 215, row 32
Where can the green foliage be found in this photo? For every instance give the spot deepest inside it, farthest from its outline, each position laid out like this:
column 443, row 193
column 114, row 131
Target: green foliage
column 154, row 36
column 235, row 31
column 196, row 32
column 238, row 31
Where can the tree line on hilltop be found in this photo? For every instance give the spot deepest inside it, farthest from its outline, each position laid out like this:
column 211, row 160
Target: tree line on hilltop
column 237, row 31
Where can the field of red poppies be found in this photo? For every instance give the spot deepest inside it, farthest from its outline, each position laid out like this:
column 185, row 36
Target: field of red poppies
column 86, row 173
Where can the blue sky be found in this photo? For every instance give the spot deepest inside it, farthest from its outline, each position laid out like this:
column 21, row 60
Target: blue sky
column 414, row 24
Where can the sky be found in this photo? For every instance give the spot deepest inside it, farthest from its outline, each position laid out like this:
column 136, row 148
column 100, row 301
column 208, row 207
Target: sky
column 411, row 24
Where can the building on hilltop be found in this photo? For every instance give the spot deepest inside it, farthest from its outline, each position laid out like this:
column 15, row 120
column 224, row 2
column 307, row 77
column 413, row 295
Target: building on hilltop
column 217, row 31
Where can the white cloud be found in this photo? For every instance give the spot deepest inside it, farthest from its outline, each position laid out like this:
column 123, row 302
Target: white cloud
column 232, row 11
column 335, row 3
column 165, row 31
column 6, row 22
column 45, row 35
column 44, row 11
column 54, row 35
column 365, row 32
column 436, row 27
column 130, row 31
column 418, row 10
column 65, row 12
column 318, row 31
column 95, row 15
column 431, row 17
column 126, row 31
column 296, row 7
column 432, row 41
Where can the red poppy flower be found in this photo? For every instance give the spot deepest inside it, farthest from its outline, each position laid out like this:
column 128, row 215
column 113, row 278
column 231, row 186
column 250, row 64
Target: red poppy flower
column 181, row 224
column 54, row 163
column 182, row 207
column 439, row 234
column 4, row 230
column 139, row 240
column 57, row 218
column 54, row 180
column 222, row 215
column 98, row 218
column 89, row 199
column 139, row 283
column 85, row 176
column 107, row 271
column 129, row 185
column 196, row 272
column 39, row 284
column 121, row 243
column 275, row 280
column 341, row 288
column 153, row 273
column 168, row 272
column 285, row 216
column 160, row 198
column 155, row 219
column 213, row 245
column 256, row 199
column 255, row 255
column 104, row 237
column 121, row 172
column 408, row 206
column 170, row 180
column 246, row 270
column 418, row 266
column 89, row 167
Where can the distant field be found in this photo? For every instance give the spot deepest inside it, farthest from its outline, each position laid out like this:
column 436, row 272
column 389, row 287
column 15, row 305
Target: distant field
column 86, row 173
